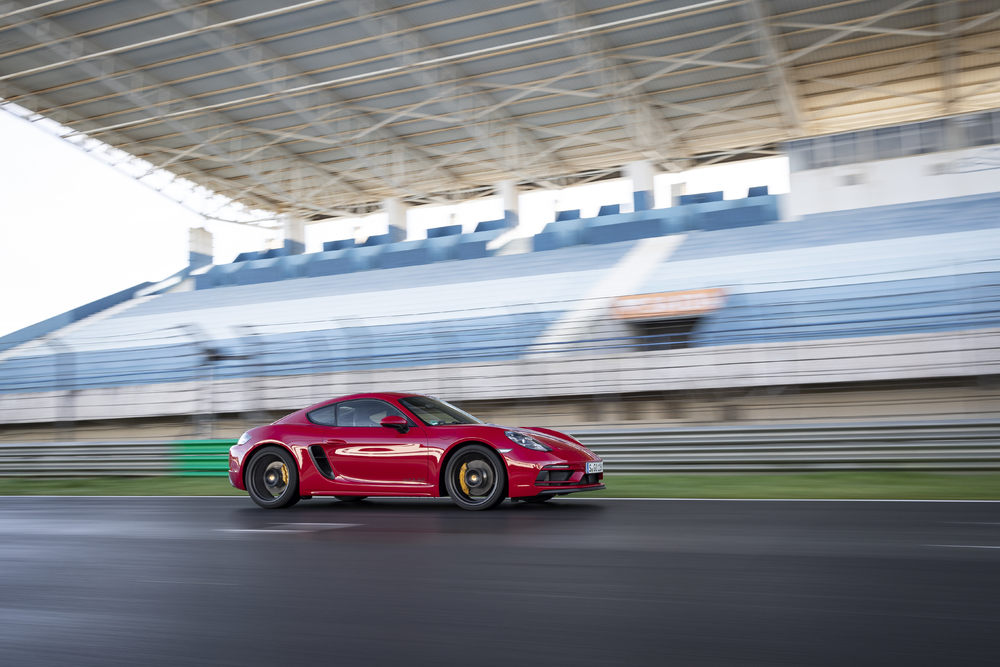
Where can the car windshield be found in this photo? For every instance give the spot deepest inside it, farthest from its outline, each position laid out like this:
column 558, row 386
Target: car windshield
column 434, row 412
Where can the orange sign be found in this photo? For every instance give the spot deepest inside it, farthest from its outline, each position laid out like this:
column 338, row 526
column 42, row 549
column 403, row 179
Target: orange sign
column 667, row 305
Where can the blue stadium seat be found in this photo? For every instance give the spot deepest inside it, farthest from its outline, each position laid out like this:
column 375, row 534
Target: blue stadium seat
column 473, row 246
column 442, row 248
column 378, row 239
column 407, row 253
column 331, row 263
column 701, row 198
column 449, row 230
column 338, row 245
column 560, row 234
column 491, row 225
column 265, row 270
column 888, row 270
column 624, row 227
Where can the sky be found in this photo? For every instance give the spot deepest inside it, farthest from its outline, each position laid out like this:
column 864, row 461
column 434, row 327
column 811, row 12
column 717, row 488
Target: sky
column 75, row 229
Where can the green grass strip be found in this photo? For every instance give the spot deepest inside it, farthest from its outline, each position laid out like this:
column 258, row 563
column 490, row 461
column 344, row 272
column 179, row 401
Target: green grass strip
column 890, row 485
column 873, row 485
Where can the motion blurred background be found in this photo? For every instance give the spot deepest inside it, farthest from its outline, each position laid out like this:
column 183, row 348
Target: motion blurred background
column 719, row 235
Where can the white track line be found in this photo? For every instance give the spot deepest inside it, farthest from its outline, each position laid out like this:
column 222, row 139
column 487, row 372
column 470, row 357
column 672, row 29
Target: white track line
column 960, row 546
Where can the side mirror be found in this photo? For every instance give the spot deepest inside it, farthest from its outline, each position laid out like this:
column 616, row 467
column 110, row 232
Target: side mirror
column 396, row 422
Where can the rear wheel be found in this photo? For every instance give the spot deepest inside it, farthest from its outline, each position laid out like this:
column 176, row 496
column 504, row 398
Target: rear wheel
column 273, row 479
column 476, row 478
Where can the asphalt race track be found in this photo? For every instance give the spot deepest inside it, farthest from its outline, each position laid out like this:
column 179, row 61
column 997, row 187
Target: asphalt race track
column 193, row 581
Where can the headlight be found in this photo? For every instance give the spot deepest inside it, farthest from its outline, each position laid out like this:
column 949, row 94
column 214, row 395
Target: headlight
column 243, row 438
column 527, row 441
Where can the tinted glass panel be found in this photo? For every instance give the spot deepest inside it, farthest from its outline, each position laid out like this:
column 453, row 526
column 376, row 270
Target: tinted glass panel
column 843, row 149
column 887, row 143
column 932, row 136
column 822, row 153
column 979, row 130
column 864, row 145
column 326, row 416
column 910, row 139
column 434, row 412
column 367, row 412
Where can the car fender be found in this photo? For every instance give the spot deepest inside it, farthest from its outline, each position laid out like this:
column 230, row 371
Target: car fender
column 454, row 447
column 266, row 443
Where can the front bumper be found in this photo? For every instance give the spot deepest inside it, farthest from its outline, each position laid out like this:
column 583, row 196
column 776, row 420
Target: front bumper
column 237, row 453
column 551, row 475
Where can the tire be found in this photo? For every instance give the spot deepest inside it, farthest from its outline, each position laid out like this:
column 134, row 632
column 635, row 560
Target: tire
column 534, row 500
column 273, row 478
column 350, row 499
column 484, row 474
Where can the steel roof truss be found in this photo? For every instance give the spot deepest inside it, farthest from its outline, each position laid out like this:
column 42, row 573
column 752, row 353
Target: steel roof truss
column 271, row 71
column 70, row 46
column 405, row 43
column 777, row 73
column 947, row 16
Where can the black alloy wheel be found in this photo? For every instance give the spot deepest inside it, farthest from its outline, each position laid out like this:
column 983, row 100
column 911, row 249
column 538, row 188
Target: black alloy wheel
column 350, row 499
column 476, row 478
column 273, row 478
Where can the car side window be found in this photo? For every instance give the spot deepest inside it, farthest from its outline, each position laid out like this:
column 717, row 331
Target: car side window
column 364, row 412
column 325, row 416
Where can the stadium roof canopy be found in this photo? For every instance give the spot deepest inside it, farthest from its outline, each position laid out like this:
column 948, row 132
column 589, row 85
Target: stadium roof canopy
column 322, row 108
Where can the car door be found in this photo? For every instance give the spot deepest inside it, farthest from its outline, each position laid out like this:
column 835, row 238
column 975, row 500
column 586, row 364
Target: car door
column 361, row 450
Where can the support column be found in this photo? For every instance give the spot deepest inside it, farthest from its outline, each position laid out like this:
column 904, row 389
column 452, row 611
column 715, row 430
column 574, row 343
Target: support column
column 676, row 190
column 641, row 174
column 200, row 251
column 395, row 209
column 508, row 193
column 295, row 235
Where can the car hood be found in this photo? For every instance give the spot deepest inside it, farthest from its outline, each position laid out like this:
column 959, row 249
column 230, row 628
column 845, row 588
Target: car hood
column 559, row 442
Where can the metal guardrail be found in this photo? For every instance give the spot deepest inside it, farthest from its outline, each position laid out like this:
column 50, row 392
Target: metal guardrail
column 932, row 447
column 115, row 459
column 893, row 446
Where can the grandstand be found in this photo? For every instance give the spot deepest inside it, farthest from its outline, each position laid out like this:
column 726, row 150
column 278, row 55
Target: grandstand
column 870, row 292
column 831, row 299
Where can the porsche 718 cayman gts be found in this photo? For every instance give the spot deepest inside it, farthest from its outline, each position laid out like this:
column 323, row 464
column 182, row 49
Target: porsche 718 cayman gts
column 394, row 444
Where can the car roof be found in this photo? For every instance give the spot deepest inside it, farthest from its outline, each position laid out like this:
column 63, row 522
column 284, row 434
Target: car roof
column 301, row 413
column 368, row 394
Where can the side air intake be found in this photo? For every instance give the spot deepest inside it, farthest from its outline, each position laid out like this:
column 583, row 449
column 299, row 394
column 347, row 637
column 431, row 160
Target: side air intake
column 321, row 462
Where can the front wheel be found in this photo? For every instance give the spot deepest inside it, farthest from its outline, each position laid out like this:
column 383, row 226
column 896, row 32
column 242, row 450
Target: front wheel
column 476, row 478
column 273, row 478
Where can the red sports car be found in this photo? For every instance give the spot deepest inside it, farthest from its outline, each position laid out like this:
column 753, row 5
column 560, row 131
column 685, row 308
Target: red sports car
column 392, row 444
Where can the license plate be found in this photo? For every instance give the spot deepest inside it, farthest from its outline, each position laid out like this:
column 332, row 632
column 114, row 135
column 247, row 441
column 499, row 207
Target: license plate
column 595, row 466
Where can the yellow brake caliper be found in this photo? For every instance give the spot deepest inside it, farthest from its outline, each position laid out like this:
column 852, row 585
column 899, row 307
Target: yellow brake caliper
column 461, row 478
column 284, row 473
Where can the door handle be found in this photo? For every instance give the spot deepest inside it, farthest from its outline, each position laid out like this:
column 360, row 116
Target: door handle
column 333, row 441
